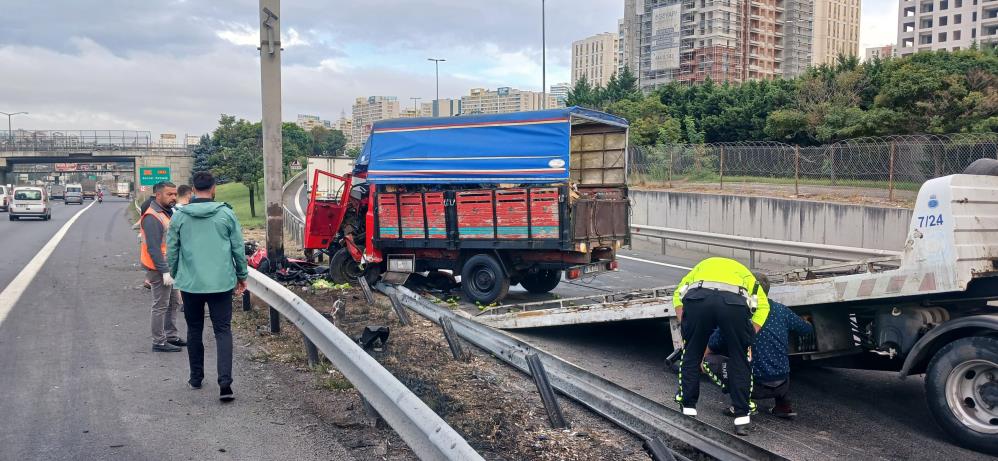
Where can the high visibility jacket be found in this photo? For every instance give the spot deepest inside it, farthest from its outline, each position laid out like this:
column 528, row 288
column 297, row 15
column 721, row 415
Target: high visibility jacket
column 164, row 219
column 727, row 271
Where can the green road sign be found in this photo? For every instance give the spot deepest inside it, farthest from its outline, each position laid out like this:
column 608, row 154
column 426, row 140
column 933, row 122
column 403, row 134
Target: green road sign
column 151, row 176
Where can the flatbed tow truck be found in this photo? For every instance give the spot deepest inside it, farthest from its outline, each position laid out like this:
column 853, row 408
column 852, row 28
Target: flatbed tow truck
column 930, row 310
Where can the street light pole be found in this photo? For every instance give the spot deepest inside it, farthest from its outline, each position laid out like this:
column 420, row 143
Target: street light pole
column 415, row 108
column 436, row 103
column 544, row 69
column 10, row 131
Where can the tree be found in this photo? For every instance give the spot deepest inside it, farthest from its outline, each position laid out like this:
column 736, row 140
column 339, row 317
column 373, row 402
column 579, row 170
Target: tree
column 243, row 164
column 584, row 95
column 326, row 142
column 202, row 154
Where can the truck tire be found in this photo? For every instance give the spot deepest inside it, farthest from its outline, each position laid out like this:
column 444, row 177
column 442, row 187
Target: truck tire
column 961, row 387
column 483, row 279
column 343, row 269
column 541, row 281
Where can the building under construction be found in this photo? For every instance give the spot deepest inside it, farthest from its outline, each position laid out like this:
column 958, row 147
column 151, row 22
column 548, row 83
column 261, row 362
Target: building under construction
column 723, row 40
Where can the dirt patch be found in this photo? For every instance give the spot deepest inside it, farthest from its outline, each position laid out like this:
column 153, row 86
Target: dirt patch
column 496, row 408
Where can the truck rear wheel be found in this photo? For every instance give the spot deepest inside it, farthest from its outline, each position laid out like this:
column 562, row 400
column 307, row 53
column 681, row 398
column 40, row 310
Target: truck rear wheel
column 483, row 279
column 541, row 281
column 962, row 389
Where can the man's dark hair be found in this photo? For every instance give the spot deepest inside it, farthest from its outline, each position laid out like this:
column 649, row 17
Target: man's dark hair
column 162, row 185
column 145, row 204
column 202, row 181
column 762, row 280
column 184, row 190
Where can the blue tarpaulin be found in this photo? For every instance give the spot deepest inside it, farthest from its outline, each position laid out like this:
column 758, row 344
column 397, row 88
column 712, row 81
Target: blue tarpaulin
column 521, row 147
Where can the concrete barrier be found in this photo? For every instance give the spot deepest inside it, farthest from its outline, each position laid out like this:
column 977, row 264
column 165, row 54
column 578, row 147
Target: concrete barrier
column 829, row 223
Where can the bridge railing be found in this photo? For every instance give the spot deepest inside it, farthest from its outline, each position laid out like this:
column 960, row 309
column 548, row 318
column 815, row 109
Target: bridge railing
column 61, row 140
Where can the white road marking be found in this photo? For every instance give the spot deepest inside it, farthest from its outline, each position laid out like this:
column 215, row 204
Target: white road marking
column 654, row 262
column 12, row 293
column 301, row 214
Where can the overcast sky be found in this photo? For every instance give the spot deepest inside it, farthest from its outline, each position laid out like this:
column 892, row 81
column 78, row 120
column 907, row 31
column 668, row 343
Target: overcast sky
column 175, row 65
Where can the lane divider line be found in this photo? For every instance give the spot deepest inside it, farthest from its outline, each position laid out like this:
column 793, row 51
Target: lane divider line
column 12, row 293
column 654, row 262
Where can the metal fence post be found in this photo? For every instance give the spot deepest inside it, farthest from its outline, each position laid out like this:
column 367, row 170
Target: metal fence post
column 672, row 151
column 890, row 172
column 722, row 167
column 831, row 163
column 797, row 170
column 453, row 340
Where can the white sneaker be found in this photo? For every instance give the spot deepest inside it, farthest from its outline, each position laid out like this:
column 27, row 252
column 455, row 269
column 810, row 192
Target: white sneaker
column 689, row 411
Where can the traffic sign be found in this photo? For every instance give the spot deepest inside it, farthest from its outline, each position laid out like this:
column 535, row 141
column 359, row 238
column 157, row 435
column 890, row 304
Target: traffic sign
column 153, row 175
column 295, row 166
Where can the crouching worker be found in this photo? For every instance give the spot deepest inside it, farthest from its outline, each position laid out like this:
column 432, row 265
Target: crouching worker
column 770, row 363
column 719, row 293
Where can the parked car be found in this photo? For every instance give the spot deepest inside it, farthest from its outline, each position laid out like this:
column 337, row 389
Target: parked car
column 73, row 194
column 5, row 197
column 30, row 202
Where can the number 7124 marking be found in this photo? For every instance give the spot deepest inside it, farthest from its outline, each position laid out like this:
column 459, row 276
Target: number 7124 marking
column 930, row 220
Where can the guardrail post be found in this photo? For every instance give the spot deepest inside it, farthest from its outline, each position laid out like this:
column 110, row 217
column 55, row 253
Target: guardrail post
column 453, row 340
column 890, row 172
column 400, row 311
column 246, row 301
column 547, row 392
column 658, row 450
column 311, row 352
column 366, row 288
column 751, row 259
column 275, row 321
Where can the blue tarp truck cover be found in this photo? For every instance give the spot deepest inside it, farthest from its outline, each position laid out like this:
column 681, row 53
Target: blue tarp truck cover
column 521, row 147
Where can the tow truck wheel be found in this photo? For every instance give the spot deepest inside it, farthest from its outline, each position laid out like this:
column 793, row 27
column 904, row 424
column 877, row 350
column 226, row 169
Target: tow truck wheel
column 483, row 279
column 343, row 269
column 541, row 281
column 962, row 389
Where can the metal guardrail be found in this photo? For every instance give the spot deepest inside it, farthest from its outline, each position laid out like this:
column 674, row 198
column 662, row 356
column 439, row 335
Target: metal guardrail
column 635, row 413
column 429, row 436
column 754, row 245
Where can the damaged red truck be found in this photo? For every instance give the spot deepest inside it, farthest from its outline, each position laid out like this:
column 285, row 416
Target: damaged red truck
column 500, row 200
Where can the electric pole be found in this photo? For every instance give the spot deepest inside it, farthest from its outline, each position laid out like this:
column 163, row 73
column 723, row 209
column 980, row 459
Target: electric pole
column 273, row 165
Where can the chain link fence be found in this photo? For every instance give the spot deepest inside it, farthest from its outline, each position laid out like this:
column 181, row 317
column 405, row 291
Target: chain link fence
column 889, row 163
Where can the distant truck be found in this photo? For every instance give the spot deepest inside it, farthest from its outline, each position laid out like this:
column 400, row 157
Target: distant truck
column 89, row 188
column 122, row 189
column 58, row 191
column 338, row 166
column 500, row 200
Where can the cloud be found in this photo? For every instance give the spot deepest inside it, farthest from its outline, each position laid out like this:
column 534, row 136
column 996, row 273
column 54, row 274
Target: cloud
column 878, row 24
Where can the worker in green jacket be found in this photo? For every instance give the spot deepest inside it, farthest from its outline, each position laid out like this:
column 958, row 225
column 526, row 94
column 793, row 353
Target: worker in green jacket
column 208, row 261
column 719, row 293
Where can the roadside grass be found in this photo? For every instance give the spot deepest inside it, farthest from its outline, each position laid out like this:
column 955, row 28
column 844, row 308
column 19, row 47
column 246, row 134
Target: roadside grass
column 237, row 196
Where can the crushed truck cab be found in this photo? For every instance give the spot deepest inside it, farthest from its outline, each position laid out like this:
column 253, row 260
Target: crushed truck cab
column 525, row 198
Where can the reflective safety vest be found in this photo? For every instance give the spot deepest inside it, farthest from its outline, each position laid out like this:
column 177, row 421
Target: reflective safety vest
column 164, row 219
column 725, row 274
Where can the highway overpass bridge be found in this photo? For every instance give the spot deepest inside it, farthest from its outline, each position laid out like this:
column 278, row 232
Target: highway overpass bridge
column 41, row 153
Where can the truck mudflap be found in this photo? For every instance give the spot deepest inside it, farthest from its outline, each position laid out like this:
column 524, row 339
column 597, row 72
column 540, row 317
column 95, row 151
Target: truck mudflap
column 922, row 352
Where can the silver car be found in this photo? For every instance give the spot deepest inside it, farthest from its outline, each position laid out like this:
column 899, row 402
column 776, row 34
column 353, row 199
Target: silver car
column 73, row 194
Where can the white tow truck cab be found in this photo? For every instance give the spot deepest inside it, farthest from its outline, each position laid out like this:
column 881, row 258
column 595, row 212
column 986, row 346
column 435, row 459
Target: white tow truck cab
column 930, row 310
column 30, row 202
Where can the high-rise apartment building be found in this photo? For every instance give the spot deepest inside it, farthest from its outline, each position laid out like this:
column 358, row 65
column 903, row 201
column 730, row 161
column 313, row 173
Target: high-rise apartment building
column 307, row 122
column 368, row 110
column 929, row 25
column 503, row 100
column 595, row 58
column 881, row 52
column 836, row 30
column 723, row 40
column 560, row 93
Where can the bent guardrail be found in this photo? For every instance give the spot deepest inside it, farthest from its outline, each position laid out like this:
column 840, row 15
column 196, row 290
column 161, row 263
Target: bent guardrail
column 754, row 245
column 429, row 436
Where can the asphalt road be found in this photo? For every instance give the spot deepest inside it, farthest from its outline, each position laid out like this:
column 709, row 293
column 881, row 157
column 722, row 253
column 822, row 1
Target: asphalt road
column 79, row 379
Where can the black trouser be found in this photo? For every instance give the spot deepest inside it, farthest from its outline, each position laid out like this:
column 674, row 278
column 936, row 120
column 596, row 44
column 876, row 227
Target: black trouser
column 220, row 310
column 717, row 367
column 705, row 309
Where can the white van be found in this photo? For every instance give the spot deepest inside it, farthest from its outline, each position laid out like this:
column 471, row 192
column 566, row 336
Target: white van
column 30, row 202
column 5, row 197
